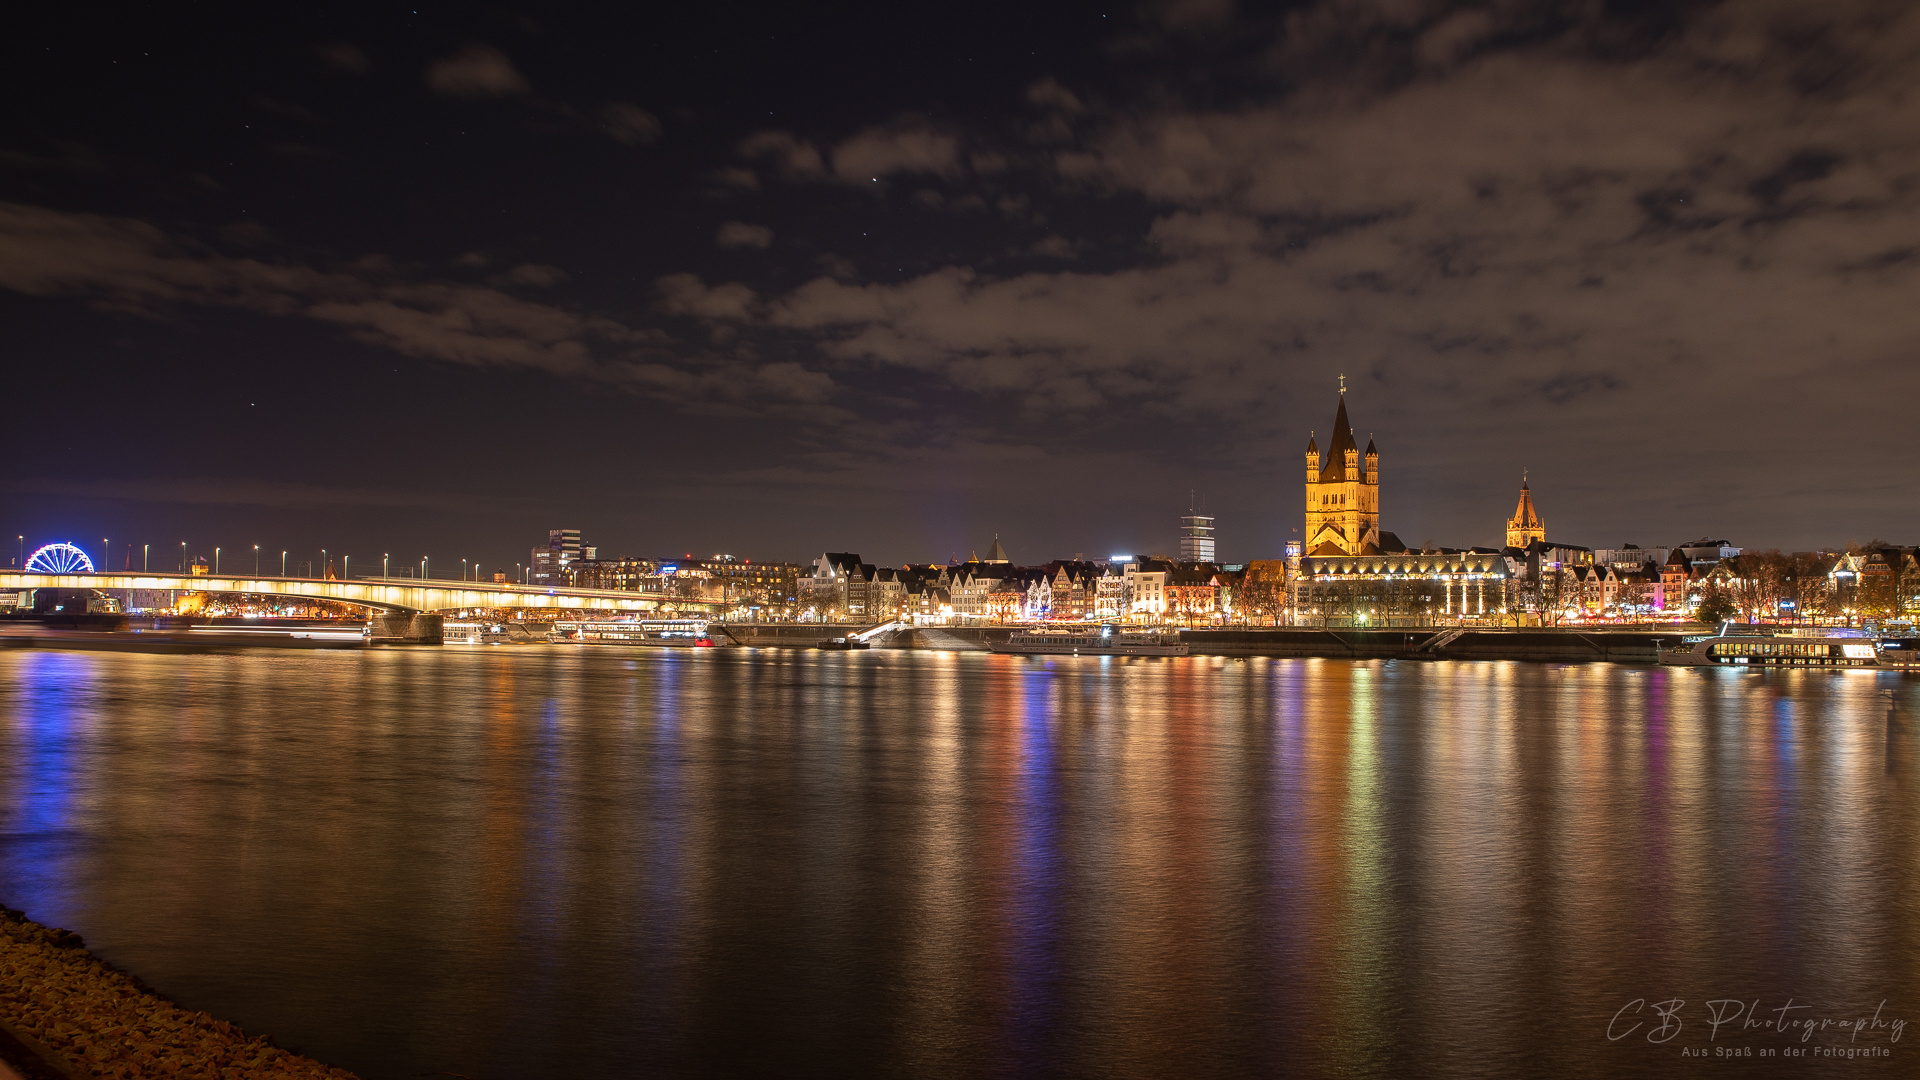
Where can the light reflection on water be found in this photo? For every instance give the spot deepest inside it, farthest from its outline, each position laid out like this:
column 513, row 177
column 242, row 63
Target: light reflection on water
column 598, row 863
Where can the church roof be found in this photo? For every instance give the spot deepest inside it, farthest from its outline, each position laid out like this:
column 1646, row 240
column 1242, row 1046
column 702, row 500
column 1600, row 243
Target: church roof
column 1524, row 516
column 1336, row 466
column 996, row 553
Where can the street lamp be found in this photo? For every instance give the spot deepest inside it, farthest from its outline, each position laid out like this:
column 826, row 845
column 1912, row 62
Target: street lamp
column 106, row 555
column 283, row 564
column 256, row 560
column 383, row 564
column 346, row 567
column 324, row 564
column 143, row 557
column 183, row 556
column 426, row 567
column 216, row 559
column 463, row 569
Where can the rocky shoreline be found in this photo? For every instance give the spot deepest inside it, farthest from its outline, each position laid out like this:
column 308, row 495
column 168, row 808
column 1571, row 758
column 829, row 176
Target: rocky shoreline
column 65, row 1014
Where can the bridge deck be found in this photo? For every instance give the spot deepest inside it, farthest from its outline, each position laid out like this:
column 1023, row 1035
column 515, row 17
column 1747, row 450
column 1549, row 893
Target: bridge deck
column 388, row 594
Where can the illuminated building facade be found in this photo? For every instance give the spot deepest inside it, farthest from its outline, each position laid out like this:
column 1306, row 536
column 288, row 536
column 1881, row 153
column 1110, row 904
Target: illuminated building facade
column 1196, row 538
column 1404, row 589
column 1526, row 525
column 1354, row 574
column 1343, row 493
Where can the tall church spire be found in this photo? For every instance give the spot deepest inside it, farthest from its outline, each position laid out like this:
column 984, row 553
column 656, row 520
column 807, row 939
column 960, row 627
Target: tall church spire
column 1343, row 491
column 1526, row 525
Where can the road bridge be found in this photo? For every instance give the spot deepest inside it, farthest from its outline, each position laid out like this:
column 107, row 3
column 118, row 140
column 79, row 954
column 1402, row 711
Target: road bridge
column 398, row 595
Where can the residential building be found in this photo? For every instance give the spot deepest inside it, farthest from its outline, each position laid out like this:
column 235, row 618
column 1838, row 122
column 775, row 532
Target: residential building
column 1629, row 556
column 837, row 586
column 1192, row 592
column 1704, row 553
column 1146, row 588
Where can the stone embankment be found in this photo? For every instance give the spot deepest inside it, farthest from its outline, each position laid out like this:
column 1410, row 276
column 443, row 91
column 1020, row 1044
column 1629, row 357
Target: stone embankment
column 67, row 1015
column 1554, row 644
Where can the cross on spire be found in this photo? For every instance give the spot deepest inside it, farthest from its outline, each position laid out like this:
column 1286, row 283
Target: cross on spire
column 1343, row 384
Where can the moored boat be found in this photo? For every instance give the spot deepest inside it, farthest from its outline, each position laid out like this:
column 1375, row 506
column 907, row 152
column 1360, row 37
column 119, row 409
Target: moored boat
column 670, row 633
column 1746, row 647
column 1105, row 641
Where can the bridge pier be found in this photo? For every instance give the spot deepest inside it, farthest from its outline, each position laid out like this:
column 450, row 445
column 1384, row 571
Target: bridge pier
column 405, row 628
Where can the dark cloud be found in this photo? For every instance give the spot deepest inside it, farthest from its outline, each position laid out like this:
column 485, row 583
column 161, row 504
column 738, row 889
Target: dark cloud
column 792, row 156
column 879, row 152
column 477, row 71
column 734, row 234
column 130, row 266
column 1580, row 237
column 629, row 123
column 346, row 57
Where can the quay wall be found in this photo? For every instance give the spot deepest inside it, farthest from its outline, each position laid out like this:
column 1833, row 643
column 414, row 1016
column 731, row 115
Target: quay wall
column 1554, row 644
column 783, row 635
column 1632, row 647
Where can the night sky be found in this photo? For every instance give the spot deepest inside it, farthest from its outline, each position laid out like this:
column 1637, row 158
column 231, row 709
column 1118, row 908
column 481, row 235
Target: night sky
column 776, row 280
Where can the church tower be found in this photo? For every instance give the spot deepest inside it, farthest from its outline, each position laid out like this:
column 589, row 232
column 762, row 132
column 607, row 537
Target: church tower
column 1525, row 526
column 1343, row 492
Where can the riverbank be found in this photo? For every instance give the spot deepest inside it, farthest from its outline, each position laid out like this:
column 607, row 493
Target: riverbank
column 1560, row 645
column 66, row 1013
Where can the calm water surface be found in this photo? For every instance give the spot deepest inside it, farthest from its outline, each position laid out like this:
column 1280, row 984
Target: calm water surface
column 580, row 862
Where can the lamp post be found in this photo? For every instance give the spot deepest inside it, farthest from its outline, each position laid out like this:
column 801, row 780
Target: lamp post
column 383, row 564
column 143, row 557
column 216, row 559
column 256, row 560
column 106, row 555
column 183, row 556
column 283, row 564
column 22, row 564
column 463, row 569
column 346, row 567
column 324, row 564
column 426, row 567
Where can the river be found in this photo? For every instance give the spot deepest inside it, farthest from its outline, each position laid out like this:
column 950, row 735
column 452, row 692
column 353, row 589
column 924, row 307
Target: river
column 588, row 862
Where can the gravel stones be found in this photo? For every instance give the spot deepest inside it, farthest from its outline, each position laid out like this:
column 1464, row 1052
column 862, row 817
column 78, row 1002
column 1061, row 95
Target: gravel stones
column 105, row 1023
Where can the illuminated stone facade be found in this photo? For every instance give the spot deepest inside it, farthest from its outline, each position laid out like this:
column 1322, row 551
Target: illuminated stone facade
column 1343, row 493
column 1526, row 525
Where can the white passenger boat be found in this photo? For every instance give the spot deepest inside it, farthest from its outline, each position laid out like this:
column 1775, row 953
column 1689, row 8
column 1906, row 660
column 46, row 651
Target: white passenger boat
column 1105, row 641
column 1756, row 647
column 681, row 633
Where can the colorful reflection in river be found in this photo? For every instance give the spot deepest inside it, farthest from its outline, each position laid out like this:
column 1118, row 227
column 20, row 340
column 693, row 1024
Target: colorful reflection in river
column 601, row 863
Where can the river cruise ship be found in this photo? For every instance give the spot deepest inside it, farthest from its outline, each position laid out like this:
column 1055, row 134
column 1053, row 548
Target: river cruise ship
column 1755, row 647
column 1105, row 641
column 683, row 633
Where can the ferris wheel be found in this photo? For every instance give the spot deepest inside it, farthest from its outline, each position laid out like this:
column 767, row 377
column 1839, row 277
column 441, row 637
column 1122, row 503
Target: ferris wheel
column 59, row 559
